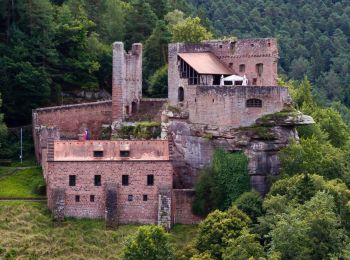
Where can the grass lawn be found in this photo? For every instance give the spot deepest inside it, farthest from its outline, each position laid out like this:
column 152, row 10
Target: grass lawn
column 20, row 183
column 27, row 162
column 27, row 232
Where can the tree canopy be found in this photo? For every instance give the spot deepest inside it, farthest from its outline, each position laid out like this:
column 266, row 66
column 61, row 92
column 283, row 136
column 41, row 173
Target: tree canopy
column 149, row 242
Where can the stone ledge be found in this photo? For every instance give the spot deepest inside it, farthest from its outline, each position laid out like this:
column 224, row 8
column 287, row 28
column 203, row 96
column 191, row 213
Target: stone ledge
column 285, row 118
column 55, row 108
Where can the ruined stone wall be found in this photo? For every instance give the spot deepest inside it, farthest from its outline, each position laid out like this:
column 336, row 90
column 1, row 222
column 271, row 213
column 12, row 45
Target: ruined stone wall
column 126, row 80
column 249, row 52
column 226, row 105
column 164, row 207
column 135, row 211
column 72, row 119
column 41, row 136
column 182, row 204
column 174, row 80
column 66, row 122
column 150, row 109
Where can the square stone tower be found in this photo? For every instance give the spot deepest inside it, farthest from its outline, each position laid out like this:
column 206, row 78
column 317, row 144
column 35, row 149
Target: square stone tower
column 126, row 80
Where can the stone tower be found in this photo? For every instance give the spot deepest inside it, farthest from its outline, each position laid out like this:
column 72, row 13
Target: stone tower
column 126, row 80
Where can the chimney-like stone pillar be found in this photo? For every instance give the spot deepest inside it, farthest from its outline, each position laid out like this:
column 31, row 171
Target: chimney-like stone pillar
column 126, row 80
column 111, row 217
column 118, row 78
column 164, row 208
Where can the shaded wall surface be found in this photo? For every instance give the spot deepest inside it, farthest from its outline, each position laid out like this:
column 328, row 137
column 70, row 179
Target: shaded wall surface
column 182, row 203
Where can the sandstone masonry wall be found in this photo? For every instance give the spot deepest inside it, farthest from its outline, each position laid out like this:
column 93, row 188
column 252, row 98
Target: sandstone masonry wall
column 182, row 204
column 129, row 210
column 66, row 122
column 71, row 150
column 71, row 119
column 126, row 80
column 247, row 52
column 226, row 105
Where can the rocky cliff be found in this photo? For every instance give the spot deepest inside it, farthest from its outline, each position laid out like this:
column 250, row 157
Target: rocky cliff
column 194, row 144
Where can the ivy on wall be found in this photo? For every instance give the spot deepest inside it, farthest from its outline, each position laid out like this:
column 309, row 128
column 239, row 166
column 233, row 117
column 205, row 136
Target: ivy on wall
column 222, row 183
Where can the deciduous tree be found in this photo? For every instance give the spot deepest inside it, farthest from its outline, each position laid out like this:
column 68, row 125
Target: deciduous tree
column 149, row 242
column 190, row 31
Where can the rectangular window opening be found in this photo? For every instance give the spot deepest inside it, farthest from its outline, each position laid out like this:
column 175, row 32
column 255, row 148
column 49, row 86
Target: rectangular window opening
column 130, row 198
column 145, row 197
column 92, row 198
column 150, row 180
column 259, row 69
column 72, row 180
column 98, row 153
column 242, row 68
column 97, row 180
column 124, row 153
column 125, row 180
column 77, row 198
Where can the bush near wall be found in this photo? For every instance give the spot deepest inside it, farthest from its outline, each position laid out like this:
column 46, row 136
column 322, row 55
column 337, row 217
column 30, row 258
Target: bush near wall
column 141, row 130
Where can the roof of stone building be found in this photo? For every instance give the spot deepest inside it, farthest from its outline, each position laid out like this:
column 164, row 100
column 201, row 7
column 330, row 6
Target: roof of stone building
column 205, row 63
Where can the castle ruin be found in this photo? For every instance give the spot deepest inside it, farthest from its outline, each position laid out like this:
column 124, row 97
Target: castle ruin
column 216, row 89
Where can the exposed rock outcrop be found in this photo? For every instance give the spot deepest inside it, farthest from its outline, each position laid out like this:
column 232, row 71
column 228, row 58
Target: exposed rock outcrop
column 194, row 145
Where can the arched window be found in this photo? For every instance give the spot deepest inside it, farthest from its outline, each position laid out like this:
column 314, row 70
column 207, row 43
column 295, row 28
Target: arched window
column 181, row 94
column 254, row 102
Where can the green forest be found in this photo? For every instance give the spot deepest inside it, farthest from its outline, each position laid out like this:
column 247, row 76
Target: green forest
column 52, row 47
column 63, row 45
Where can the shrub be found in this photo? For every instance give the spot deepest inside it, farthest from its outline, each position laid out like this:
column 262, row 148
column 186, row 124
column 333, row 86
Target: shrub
column 39, row 187
column 149, row 242
column 246, row 246
column 218, row 228
column 142, row 130
column 158, row 82
column 313, row 157
column 147, row 130
column 251, row 204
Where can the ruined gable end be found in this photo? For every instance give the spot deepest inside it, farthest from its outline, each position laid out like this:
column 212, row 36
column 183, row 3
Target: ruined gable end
column 126, row 80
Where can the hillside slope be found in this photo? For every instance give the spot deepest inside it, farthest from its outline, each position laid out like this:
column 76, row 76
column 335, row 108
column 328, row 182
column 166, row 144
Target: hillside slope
column 314, row 36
